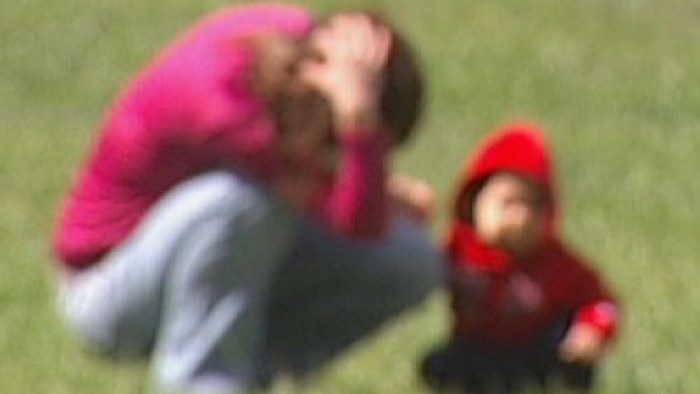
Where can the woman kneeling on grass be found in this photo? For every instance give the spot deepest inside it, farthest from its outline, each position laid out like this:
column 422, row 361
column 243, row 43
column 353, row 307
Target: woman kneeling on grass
column 233, row 217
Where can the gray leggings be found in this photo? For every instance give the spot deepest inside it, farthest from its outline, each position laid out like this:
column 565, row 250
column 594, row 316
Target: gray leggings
column 223, row 286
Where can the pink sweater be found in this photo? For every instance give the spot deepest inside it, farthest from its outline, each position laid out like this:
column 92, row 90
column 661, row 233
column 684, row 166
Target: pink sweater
column 193, row 110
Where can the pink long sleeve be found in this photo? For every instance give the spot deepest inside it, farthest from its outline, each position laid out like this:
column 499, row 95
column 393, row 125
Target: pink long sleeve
column 191, row 110
column 357, row 202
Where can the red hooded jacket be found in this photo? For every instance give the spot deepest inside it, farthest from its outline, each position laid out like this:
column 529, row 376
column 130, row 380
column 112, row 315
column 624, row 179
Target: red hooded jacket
column 500, row 301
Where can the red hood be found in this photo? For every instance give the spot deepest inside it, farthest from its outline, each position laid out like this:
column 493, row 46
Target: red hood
column 520, row 148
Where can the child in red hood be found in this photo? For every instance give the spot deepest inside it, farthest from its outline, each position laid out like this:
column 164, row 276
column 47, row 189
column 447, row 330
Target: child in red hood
column 526, row 309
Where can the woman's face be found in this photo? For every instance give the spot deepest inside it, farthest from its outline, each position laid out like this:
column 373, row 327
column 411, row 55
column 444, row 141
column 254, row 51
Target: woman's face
column 508, row 213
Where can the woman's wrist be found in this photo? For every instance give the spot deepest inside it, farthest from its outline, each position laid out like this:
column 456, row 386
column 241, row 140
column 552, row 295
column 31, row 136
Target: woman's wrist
column 358, row 119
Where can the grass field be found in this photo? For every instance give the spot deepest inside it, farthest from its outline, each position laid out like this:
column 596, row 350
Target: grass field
column 614, row 82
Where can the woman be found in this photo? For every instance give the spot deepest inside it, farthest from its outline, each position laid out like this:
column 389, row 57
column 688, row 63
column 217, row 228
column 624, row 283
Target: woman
column 252, row 151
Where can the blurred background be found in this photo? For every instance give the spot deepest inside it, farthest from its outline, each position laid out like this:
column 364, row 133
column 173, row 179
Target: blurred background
column 615, row 83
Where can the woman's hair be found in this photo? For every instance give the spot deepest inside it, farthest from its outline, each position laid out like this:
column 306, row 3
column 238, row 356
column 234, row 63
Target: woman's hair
column 402, row 98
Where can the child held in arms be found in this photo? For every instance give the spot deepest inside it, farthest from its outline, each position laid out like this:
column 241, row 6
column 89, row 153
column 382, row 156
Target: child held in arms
column 527, row 311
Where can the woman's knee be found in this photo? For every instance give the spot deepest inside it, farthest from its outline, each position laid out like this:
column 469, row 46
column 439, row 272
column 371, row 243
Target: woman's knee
column 96, row 325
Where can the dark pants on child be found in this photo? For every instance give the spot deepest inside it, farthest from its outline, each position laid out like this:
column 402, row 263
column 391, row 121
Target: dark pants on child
column 476, row 368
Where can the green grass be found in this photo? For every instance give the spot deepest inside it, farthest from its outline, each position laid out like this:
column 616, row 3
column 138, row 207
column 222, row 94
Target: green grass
column 614, row 83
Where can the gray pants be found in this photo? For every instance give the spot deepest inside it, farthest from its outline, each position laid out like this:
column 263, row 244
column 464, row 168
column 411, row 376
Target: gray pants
column 223, row 286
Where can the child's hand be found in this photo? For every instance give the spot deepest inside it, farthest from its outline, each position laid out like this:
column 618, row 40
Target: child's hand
column 413, row 196
column 583, row 344
column 353, row 52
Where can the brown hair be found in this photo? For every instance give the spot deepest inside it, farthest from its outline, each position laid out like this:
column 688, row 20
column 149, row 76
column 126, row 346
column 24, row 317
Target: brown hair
column 402, row 98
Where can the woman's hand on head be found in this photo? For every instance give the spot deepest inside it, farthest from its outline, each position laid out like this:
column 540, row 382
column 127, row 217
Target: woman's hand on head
column 349, row 70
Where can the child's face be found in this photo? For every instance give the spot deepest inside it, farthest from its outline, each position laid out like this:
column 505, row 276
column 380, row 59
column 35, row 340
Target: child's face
column 508, row 213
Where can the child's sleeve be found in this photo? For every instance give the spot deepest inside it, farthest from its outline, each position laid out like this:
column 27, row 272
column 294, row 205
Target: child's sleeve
column 597, row 306
column 601, row 315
